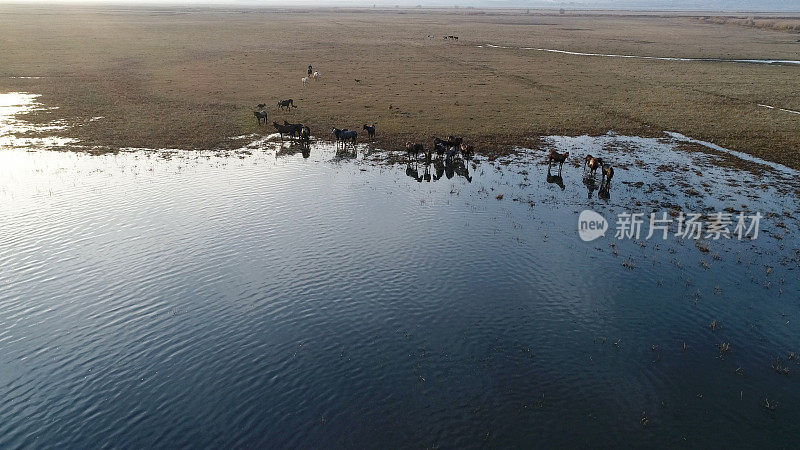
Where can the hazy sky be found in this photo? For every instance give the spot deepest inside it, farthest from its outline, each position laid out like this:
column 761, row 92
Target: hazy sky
column 717, row 5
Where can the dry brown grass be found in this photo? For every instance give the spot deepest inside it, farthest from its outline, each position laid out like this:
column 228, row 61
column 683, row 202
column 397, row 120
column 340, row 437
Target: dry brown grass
column 786, row 24
column 190, row 78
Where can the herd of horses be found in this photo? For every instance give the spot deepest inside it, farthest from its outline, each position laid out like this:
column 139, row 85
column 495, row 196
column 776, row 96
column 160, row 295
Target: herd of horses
column 589, row 162
column 443, row 148
column 446, row 151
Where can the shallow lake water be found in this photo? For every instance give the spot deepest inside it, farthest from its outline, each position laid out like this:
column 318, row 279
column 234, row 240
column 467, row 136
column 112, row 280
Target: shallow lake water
column 271, row 297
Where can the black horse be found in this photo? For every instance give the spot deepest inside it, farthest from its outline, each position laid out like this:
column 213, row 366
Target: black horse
column 283, row 129
column 370, row 130
column 338, row 133
column 261, row 115
column 297, row 128
column 442, row 146
column 305, row 135
column 289, row 103
column 348, row 135
column 414, row 149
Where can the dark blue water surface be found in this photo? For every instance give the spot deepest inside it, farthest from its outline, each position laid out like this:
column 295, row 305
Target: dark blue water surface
column 155, row 299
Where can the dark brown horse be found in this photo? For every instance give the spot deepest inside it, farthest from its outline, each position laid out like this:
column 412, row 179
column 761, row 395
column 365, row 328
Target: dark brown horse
column 261, row 115
column 560, row 158
column 289, row 103
column 414, row 149
column 593, row 163
column 370, row 130
column 283, row 129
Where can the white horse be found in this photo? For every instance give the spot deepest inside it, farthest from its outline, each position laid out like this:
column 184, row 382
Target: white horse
column 304, row 80
column 316, row 75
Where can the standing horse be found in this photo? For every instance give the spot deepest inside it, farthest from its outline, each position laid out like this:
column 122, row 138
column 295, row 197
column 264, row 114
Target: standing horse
column 261, row 115
column 296, row 128
column 557, row 157
column 286, row 104
column 370, row 130
column 348, row 135
column 593, row 163
column 284, row 129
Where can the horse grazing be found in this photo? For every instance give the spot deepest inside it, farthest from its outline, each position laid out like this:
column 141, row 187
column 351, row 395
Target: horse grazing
column 304, row 80
column 593, row 163
column 370, row 130
column 316, row 76
column 414, row 149
column 261, row 115
column 557, row 157
column 284, row 129
column 286, row 104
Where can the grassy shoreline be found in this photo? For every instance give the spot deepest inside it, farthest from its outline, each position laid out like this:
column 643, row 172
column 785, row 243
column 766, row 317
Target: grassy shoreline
column 173, row 78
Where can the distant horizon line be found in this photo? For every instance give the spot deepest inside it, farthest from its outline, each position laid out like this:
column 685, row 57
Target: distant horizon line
column 252, row 4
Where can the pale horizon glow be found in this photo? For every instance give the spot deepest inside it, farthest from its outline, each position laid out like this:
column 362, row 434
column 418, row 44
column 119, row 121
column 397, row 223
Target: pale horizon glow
column 651, row 5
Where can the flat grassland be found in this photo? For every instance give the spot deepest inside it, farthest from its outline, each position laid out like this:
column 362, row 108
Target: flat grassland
column 190, row 78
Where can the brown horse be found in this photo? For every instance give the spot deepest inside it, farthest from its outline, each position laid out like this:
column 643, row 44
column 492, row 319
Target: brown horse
column 557, row 157
column 593, row 163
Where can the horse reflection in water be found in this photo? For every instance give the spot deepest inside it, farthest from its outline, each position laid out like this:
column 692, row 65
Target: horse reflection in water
column 293, row 148
column 605, row 182
column 412, row 171
column 441, row 168
column 457, row 167
column 590, row 184
column 346, row 151
column 555, row 179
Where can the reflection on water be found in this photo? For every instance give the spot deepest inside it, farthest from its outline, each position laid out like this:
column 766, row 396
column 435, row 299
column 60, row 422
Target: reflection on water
column 558, row 180
column 589, row 182
column 447, row 168
column 12, row 129
column 196, row 299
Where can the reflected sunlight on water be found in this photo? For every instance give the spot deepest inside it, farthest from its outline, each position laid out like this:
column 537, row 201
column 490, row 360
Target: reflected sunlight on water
column 272, row 298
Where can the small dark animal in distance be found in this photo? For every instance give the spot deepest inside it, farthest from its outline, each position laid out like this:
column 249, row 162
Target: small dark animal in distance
column 288, row 103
